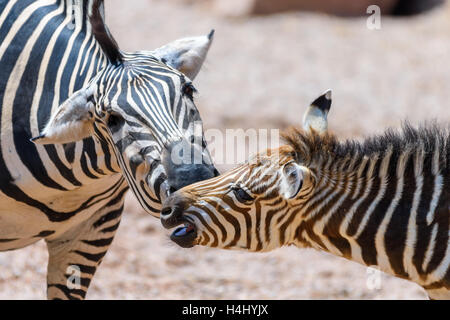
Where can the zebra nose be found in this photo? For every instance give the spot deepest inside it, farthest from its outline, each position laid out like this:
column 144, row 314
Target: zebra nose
column 170, row 217
column 187, row 174
column 172, row 211
column 182, row 166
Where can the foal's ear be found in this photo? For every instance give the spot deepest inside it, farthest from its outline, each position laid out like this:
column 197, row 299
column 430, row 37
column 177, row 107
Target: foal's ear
column 186, row 55
column 292, row 180
column 72, row 121
column 315, row 117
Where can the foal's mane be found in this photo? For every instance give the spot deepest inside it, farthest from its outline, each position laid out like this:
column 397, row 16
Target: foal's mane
column 312, row 146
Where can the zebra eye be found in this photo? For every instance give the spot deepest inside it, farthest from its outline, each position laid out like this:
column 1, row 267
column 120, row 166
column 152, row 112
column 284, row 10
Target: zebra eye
column 189, row 90
column 114, row 121
column 242, row 195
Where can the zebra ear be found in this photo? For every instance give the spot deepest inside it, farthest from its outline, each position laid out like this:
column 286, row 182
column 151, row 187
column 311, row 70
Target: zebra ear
column 315, row 117
column 72, row 121
column 186, row 55
column 292, row 180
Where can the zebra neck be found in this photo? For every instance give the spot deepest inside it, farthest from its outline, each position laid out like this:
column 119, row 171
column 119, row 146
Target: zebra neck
column 369, row 209
column 81, row 10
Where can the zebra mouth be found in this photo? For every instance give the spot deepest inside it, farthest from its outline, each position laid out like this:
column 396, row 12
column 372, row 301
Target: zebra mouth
column 185, row 235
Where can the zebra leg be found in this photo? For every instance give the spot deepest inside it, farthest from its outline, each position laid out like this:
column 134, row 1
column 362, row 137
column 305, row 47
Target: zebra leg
column 75, row 256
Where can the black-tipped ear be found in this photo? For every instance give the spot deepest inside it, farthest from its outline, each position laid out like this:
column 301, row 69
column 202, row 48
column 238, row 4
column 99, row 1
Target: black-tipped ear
column 324, row 101
column 211, row 34
column 315, row 117
column 103, row 36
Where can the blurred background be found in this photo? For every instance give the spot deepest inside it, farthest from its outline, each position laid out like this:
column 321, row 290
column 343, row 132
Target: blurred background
column 269, row 60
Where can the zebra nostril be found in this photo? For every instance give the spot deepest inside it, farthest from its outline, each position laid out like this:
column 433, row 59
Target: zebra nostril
column 166, row 211
column 172, row 190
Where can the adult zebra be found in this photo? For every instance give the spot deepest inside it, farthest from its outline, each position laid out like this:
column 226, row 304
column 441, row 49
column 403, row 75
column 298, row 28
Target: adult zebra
column 382, row 202
column 103, row 120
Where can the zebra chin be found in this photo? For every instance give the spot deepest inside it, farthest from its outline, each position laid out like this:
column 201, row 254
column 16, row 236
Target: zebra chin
column 185, row 236
column 185, row 233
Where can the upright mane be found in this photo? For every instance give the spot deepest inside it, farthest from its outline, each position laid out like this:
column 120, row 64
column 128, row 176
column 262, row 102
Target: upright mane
column 311, row 146
column 102, row 34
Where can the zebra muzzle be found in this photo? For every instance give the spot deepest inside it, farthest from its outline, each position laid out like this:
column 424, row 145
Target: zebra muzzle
column 184, row 230
column 172, row 216
column 185, row 235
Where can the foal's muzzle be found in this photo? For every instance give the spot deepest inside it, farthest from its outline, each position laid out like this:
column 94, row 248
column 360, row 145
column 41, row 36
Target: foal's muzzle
column 172, row 215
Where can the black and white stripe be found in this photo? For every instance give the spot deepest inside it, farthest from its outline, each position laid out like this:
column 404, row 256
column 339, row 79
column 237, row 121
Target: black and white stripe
column 382, row 202
column 100, row 120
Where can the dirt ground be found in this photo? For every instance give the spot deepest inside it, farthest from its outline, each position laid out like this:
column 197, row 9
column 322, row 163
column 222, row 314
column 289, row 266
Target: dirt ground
column 262, row 73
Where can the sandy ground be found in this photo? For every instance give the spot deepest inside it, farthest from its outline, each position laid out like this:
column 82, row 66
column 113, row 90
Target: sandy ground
column 262, row 73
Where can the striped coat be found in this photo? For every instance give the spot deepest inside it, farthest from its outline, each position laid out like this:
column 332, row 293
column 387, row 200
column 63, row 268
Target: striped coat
column 64, row 81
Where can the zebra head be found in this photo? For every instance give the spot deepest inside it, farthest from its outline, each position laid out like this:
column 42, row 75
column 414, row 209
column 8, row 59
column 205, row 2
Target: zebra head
column 140, row 106
column 252, row 206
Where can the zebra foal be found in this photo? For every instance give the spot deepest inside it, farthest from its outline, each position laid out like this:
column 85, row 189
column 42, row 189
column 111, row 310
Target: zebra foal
column 382, row 202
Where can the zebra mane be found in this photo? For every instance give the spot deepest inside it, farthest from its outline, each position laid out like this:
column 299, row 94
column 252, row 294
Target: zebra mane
column 310, row 147
column 102, row 34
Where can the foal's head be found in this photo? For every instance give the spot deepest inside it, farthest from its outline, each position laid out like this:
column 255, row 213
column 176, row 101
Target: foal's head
column 253, row 207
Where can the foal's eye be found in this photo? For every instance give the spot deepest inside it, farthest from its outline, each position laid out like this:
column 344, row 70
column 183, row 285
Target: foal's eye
column 242, row 195
column 189, row 90
column 114, row 120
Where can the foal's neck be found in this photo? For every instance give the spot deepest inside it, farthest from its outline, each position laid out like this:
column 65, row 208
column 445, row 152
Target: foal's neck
column 372, row 208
